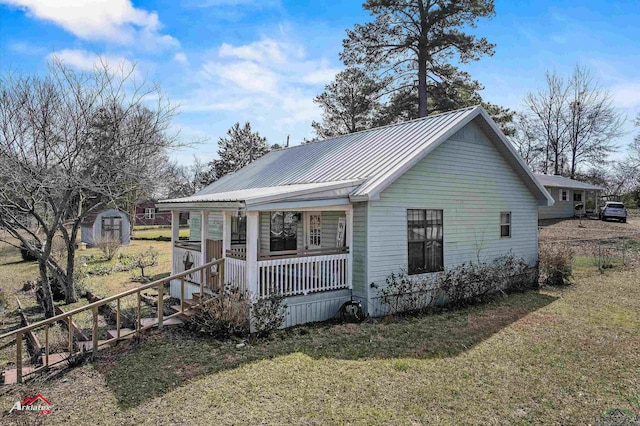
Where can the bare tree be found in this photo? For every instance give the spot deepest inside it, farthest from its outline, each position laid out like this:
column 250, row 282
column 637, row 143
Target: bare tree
column 526, row 140
column 71, row 144
column 546, row 110
column 574, row 119
column 182, row 180
column 592, row 120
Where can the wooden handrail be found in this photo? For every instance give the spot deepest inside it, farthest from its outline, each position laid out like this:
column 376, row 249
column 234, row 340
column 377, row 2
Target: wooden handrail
column 109, row 299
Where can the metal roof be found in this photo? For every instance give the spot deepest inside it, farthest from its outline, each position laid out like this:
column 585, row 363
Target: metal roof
column 375, row 157
column 555, row 181
column 265, row 194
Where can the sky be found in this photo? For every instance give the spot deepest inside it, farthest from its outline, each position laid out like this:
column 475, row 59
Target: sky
column 227, row 61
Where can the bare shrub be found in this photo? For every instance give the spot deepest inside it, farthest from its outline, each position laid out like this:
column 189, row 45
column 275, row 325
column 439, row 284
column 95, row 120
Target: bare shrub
column 146, row 259
column 464, row 284
column 224, row 315
column 603, row 256
column 268, row 314
column 556, row 261
column 109, row 246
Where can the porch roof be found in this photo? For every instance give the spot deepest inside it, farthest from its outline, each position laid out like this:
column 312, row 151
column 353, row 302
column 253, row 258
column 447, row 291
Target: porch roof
column 269, row 194
column 554, row 181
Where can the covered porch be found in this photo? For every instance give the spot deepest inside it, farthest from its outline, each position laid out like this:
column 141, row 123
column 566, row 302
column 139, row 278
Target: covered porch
column 295, row 252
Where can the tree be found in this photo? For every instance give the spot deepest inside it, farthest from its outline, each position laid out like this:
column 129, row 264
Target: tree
column 524, row 139
column 574, row 119
column 182, row 180
column 71, row 144
column 239, row 148
column 592, row 120
column 349, row 103
column 413, row 41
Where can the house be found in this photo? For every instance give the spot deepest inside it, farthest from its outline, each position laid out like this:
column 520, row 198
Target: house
column 321, row 222
column 147, row 213
column 110, row 223
column 571, row 197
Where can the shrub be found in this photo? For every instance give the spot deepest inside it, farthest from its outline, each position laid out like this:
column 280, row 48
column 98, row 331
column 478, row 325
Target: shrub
column 109, row 246
column 465, row 284
column 556, row 261
column 268, row 314
column 603, row 256
column 224, row 315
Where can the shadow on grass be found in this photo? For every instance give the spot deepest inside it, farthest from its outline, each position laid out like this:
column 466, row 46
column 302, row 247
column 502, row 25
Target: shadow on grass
column 139, row 372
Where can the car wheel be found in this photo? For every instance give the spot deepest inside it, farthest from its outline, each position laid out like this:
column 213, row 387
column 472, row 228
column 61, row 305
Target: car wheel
column 624, row 220
column 602, row 218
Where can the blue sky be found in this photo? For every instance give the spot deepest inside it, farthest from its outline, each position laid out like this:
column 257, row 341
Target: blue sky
column 263, row 61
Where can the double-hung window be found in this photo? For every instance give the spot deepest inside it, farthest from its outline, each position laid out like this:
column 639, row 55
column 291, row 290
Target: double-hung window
column 505, row 224
column 239, row 229
column 425, row 241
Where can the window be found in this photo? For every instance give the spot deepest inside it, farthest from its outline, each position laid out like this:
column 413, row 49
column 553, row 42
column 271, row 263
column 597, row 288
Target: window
column 564, row 195
column 425, row 241
column 149, row 213
column 577, row 196
column 314, row 230
column 505, row 224
column 284, row 231
column 239, row 229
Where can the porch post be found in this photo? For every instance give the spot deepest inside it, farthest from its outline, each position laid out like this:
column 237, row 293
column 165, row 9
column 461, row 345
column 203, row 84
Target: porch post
column 175, row 236
column 252, row 253
column 349, row 217
column 226, row 232
column 204, row 233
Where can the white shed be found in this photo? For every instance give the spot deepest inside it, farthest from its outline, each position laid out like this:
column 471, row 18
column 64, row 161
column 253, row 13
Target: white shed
column 109, row 223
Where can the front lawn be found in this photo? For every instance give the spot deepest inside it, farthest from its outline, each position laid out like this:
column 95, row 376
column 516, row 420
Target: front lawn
column 557, row 356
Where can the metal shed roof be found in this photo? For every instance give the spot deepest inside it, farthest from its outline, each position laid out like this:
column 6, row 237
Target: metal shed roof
column 375, row 157
column 554, row 181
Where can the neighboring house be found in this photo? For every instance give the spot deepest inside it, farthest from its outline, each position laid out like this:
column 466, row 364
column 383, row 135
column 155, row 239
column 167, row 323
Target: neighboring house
column 147, row 213
column 321, row 222
column 571, row 197
column 109, row 223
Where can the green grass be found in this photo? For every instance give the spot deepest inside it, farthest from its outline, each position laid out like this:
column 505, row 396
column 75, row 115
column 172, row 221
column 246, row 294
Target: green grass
column 557, row 356
column 153, row 232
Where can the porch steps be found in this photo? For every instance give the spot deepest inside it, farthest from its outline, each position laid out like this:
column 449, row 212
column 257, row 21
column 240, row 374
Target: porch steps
column 146, row 322
column 11, row 374
column 124, row 333
column 56, row 358
column 87, row 345
column 188, row 312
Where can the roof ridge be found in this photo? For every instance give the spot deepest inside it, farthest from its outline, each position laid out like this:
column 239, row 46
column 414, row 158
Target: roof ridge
column 379, row 127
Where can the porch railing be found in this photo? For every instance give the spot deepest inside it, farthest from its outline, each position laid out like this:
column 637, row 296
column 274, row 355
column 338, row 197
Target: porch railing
column 235, row 273
column 76, row 347
column 292, row 276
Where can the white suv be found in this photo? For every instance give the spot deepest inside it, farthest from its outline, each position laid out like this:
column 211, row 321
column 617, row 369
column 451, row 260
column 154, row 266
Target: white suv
column 613, row 210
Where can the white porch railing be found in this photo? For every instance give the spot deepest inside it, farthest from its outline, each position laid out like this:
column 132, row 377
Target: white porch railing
column 235, row 273
column 303, row 275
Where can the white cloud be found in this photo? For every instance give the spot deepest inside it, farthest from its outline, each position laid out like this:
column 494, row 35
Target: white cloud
column 181, row 58
column 260, row 51
column 87, row 61
column 627, row 94
column 115, row 21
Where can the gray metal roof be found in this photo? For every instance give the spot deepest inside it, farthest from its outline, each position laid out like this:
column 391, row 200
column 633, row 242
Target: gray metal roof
column 374, row 157
column 554, row 181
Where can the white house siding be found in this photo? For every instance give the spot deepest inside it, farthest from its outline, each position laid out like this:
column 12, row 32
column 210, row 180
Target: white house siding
column 560, row 209
column 359, row 249
column 472, row 183
column 215, row 225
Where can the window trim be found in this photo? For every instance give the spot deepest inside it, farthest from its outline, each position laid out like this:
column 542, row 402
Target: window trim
column 424, row 251
column 506, row 224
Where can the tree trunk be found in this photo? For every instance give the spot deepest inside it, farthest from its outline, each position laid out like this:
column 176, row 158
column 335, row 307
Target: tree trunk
column 70, row 295
column 47, row 295
column 422, row 86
